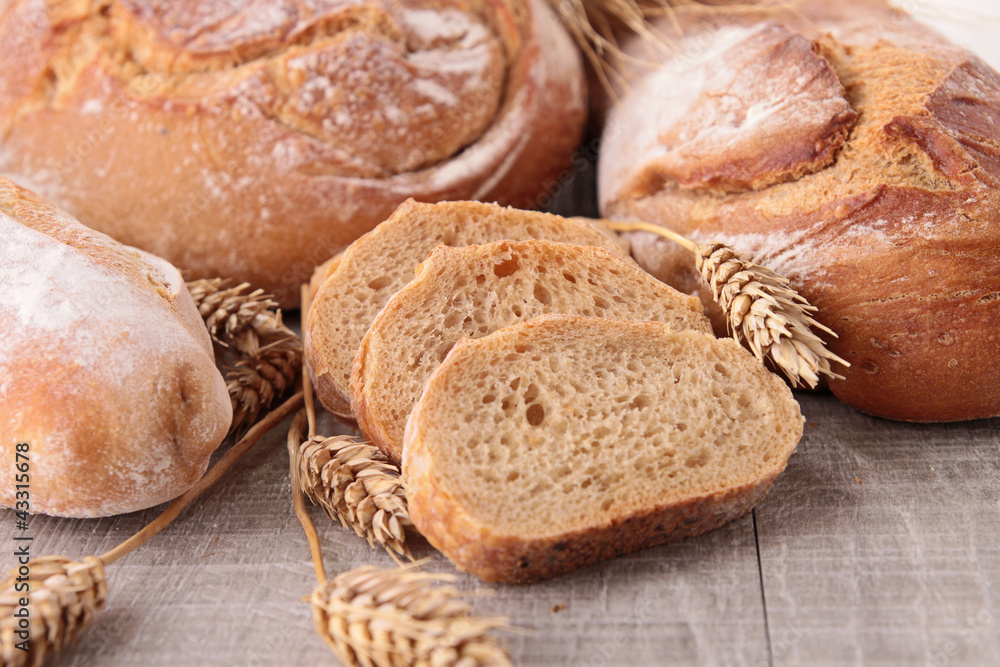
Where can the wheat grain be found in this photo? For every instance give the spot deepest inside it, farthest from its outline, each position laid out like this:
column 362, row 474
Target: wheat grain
column 383, row 618
column 766, row 315
column 263, row 355
column 254, row 384
column 762, row 310
column 353, row 483
column 62, row 599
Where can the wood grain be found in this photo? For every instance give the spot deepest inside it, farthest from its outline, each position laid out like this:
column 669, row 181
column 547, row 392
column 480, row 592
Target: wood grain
column 880, row 544
column 901, row 567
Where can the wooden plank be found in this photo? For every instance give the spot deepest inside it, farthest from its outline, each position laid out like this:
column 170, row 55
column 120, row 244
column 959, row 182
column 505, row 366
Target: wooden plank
column 880, row 544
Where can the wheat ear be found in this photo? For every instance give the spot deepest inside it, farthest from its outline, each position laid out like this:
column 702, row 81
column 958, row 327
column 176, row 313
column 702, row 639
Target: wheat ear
column 385, row 618
column 351, row 480
column 372, row 617
column 65, row 595
column 763, row 312
column 264, row 356
column 62, row 597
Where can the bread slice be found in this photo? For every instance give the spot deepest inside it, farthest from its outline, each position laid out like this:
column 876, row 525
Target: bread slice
column 470, row 292
column 561, row 441
column 381, row 262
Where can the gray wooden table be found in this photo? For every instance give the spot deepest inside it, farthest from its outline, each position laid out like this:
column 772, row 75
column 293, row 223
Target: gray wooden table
column 880, row 544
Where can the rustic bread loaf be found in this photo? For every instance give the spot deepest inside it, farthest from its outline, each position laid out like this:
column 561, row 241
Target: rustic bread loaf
column 382, row 262
column 107, row 370
column 470, row 292
column 255, row 140
column 851, row 149
column 561, row 441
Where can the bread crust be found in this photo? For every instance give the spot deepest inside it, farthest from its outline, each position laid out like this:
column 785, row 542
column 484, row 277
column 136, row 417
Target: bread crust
column 495, row 555
column 255, row 144
column 474, row 548
column 896, row 241
column 108, row 371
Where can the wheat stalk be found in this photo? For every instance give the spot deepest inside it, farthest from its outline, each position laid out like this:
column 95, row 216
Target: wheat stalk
column 265, row 355
column 353, row 482
column 64, row 595
column 62, row 598
column 762, row 310
column 370, row 616
column 595, row 26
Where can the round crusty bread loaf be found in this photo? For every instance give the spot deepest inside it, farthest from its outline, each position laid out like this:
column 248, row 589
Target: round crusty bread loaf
column 563, row 440
column 107, row 370
column 356, row 285
column 856, row 152
column 470, row 292
column 253, row 140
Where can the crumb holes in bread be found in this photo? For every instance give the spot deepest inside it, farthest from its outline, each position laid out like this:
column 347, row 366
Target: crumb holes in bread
column 381, row 282
column 507, row 267
column 535, row 414
column 699, row 459
column 542, row 295
column 444, row 350
column 516, row 309
column 488, row 398
column 569, row 276
column 480, row 279
column 640, row 402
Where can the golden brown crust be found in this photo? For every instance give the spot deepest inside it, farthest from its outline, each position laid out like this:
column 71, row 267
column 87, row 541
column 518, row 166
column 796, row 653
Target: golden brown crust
column 472, row 547
column 256, row 144
column 108, row 369
column 894, row 240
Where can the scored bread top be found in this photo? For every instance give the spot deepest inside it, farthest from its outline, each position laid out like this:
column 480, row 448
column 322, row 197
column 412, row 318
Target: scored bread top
column 564, row 440
column 470, row 292
column 381, row 262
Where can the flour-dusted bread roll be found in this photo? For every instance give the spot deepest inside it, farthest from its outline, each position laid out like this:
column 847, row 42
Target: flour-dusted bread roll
column 851, row 149
column 106, row 369
column 255, row 139
column 560, row 441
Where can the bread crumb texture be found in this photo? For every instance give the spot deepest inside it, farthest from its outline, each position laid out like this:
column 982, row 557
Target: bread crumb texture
column 383, row 261
column 556, row 442
column 472, row 291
